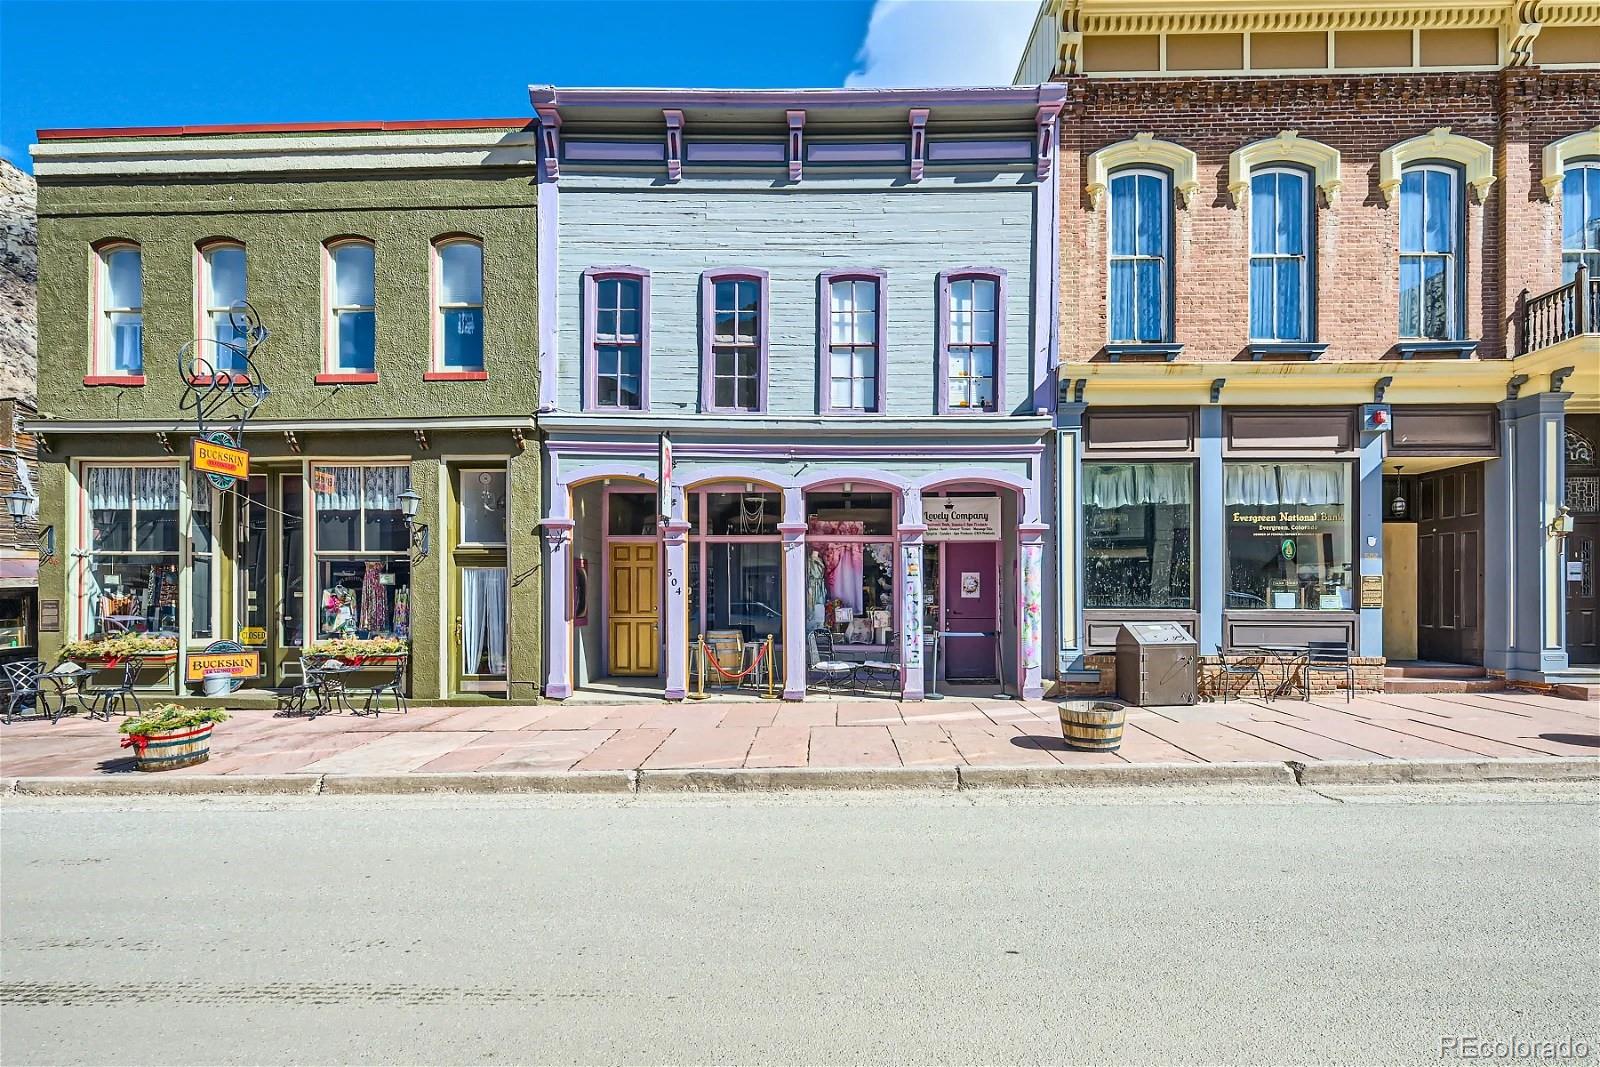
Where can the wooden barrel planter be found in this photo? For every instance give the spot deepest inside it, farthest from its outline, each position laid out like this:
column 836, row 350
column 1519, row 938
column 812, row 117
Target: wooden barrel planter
column 172, row 750
column 1093, row 727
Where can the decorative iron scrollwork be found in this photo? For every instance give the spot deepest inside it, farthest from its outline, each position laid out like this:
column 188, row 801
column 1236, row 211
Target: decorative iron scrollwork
column 222, row 380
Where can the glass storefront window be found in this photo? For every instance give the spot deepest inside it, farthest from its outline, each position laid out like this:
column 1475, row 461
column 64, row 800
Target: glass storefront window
column 744, row 587
column 483, row 507
column 362, row 548
column 849, row 573
column 291, row 611
column 632, row 514
column 202, row 538
column 1288, row 536
column 1138, row 521
column 742, row 513
column 132, row 573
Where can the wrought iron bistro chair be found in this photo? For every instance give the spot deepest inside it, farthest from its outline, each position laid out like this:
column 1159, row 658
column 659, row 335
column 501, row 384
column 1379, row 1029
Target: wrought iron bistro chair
column 394, row 685
column 822, row 668
column 102, row 697
column 292, row 698
column 882, row 673
column 22, row 689
column 1330, row 657
column 1243, row 668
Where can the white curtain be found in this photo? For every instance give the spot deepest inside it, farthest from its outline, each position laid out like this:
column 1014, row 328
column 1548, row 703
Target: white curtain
column 200, row 492
column 1284, row 483
column 483, row 618
column 1136, row 484
column 110, row 488
column 337, row 488
column 155, row 488
column 383, row 486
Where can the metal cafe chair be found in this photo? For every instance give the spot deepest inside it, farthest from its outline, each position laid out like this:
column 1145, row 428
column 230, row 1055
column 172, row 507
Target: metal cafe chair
column 372, row 695
column 102, row 697
column 882, row 673
column 22, row 689
column 1330, row 657
column 822, row 668
column 1244, row 668
column 292, row 698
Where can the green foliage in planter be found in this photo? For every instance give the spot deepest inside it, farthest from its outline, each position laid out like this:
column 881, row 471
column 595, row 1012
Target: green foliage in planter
column 119, row 646
column 352, row 647
column 171, row 718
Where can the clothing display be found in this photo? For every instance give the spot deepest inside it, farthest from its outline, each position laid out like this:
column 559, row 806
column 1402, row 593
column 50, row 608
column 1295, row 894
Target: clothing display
column 374, row 600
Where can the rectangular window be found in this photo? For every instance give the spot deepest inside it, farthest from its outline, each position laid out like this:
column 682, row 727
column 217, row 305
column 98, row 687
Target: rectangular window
column 736, row 345
column 223, row 294
column 1279, row 273
column 619, row 342
column 853, row 345
column 202, row 555
column 971, row 344
column 483, row 506
column 1139, row 251
column 1429, row 238
column 362, row 549
column 459, row 322
column 1580, row 220
column 132, row 564
column 121, row 339
column 291, row 561
column 1138, row 524
column 352, row 307
column 1288, row 536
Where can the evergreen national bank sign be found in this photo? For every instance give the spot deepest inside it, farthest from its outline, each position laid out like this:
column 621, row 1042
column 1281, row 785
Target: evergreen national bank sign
column 963, row 519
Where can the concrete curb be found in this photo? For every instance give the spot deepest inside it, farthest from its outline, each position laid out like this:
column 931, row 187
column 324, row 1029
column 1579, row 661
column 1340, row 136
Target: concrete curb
column 138, row 785
column 468, row 782
column 784, row 779
column 1128, row 774
column 1381, row 772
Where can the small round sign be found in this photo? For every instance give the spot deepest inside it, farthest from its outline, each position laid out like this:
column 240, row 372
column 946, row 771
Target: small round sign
column 1287, row 548
column 228, row 646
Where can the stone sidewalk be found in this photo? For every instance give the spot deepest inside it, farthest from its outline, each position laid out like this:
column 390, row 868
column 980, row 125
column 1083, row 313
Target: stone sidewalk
column 825, row 734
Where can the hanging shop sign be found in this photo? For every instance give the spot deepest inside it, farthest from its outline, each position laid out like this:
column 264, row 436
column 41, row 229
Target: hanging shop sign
column 240, row 664
column 220, row 459
column 664, row 477
column 957, row 518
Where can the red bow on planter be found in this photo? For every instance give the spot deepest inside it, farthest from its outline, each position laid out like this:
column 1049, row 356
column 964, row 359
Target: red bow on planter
column 138, row 741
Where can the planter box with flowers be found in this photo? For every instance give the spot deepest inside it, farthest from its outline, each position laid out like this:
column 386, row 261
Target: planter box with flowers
column 107, row 653
column 171, row 736
column 362, row 651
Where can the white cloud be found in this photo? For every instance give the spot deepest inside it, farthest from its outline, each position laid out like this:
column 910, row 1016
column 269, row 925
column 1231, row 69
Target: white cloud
column 917, row 43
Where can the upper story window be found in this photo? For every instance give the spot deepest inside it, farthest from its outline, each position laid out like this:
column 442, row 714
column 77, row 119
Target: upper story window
column 1430, row 259
column 222, row 293
column 734, row 340
column 352, row 307
column 1140, row 255
column 119, row 341
column 458, row 315
column 1280, row 263
column 852, row 340
column 972, row 339
column 1580, row 219
column 617, row 337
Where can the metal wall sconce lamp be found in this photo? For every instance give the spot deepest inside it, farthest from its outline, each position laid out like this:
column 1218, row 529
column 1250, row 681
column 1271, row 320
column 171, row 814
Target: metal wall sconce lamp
column 22, row 507
column 421, row 536
column 1562, row 524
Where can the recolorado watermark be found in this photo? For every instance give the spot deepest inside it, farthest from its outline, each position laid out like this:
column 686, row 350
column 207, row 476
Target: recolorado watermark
column 1536, row 1049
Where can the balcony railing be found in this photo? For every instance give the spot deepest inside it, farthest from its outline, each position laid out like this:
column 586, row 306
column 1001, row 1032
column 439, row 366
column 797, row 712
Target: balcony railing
column 1553, row 317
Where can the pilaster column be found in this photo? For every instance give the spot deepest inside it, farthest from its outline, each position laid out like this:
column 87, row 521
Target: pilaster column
column 1369, row 495
column 1030, row 610
column 1069, row 526
column 675, row 605
column 558, row 599
column 911, row 530
column 1210, row 560
column 793, row 529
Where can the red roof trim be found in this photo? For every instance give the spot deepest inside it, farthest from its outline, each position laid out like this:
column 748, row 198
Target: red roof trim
column 112, row 132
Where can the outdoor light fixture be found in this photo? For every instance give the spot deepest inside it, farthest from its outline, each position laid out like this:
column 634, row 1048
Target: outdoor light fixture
column 421, row 541
column 22, row 506
column 1562, row 524
column 1397, row 506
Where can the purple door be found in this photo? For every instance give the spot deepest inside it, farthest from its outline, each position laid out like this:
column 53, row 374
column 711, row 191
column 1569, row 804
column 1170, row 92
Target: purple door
column 971, row 605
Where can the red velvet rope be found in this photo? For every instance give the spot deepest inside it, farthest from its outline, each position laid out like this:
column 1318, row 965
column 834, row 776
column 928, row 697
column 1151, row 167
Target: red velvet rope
column 712, row 658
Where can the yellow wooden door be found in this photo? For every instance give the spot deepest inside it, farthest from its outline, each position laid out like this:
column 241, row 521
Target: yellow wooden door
column 633, row 616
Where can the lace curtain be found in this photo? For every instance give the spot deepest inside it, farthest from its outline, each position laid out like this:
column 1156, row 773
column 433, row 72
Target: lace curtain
column 119, row 488
column 1133, row 484
column 483, row 618
column 347, row 488
column 1254, row 484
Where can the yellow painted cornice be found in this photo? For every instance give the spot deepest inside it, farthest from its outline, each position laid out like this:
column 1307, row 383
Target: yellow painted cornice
column 1238, row 16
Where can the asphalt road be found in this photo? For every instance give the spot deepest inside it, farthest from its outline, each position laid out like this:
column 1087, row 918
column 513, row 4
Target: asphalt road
column 1126, row 928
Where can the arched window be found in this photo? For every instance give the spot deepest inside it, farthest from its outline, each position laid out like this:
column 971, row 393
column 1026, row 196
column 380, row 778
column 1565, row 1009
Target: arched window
column 1280, row 255
column 119, row 299
column 1141, row 228
column 458, row 308
column 350, row 338
column 1580, row 219
column 222, row 290
column 1430, row 252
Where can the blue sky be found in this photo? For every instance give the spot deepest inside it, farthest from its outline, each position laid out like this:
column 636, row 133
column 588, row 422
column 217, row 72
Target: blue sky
column 136, row 63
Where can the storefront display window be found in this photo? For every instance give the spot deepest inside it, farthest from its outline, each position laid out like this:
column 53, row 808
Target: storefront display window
column 1288, row 536
column 202, row 537
column 1138, row 521
column 631, row 514
column 363, row 566
column 132, row 573
column 291, row 610
column 850, row 566
column 736, row 564
column 742, row 513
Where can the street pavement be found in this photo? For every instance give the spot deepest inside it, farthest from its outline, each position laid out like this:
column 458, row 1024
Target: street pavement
column 1358, row 926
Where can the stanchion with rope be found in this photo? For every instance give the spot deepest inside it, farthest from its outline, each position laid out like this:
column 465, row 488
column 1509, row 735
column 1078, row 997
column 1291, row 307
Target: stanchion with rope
column 709, row 657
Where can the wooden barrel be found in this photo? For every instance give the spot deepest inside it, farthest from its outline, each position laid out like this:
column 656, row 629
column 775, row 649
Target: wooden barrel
column 1093, row 727
column 169, row 751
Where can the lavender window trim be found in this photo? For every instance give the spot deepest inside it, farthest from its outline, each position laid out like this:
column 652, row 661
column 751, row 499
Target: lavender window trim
column 592, row 278
column 998, row 276
column 825, row 280
column 708, row 316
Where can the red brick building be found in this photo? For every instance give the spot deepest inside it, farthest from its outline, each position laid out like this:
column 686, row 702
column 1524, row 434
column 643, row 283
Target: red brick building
column 1329, row 349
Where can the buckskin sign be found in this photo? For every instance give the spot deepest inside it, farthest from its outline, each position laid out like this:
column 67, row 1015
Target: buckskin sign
column 962, row 518
column 233, row 664
column 226, row 461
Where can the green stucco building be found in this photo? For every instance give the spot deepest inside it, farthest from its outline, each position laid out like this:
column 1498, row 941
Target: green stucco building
column 394, row 268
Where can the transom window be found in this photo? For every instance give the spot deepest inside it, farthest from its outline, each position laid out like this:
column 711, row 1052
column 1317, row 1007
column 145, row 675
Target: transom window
column 458, row 319
column 736, row 344
column 970, row 348
column 352, row 306
column 121, row 338
column 1429, row 260
column 619, row 342
column 853, row 345
column 1580, row 219
column 1279, row 263
column 222, row 295
column 1139, row 255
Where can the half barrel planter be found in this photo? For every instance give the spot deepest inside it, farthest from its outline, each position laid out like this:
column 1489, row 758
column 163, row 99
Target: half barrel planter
column 170, row 750
column 1093, row 725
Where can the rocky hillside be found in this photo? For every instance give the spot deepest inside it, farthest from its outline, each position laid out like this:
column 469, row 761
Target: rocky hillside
column 19, row 273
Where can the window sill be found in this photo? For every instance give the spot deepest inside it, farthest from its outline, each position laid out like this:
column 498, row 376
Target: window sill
column 132, row 380
column 1271, row 350
column 1436, row 349
column 347, row 378
column 1164, row 352
column 456, row 376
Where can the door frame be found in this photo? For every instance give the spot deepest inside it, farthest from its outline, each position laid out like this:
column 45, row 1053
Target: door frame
column 1426, row 587
column 607, row 538
column 605, row 631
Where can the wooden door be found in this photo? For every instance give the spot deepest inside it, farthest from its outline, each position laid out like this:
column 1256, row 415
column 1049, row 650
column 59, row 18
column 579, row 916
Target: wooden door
column 1450, row 565
column 1583, row 598
column 632, row 614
